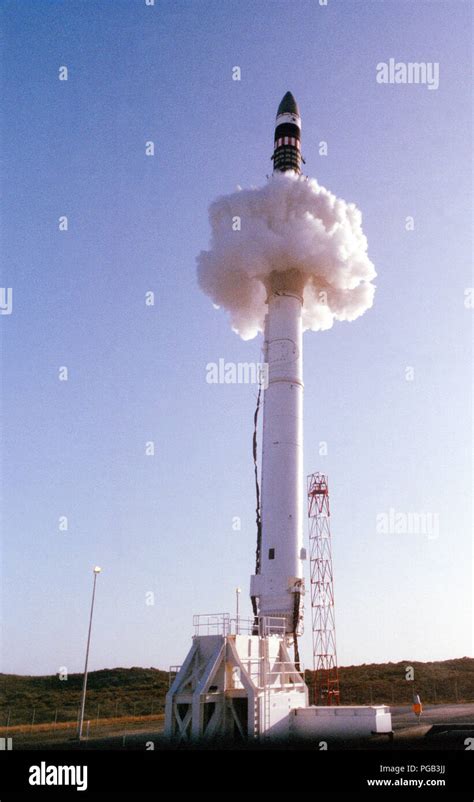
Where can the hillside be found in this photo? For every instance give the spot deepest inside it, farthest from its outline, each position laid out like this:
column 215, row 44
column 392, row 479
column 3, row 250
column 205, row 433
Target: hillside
column 436, row 682
column 110, row 692
column 141, row 691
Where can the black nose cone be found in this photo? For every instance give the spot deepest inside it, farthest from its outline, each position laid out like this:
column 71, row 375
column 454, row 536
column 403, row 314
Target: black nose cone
column 288, row 105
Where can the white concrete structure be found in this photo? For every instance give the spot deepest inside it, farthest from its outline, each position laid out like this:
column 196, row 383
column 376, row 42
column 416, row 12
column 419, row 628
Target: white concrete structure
column 236, row 686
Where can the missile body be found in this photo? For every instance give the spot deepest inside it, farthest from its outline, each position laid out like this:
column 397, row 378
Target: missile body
column 287, row 148
column 278, row 587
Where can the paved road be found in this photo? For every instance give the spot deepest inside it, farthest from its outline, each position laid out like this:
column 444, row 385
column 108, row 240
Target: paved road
column 407, row 733
column 403, row 717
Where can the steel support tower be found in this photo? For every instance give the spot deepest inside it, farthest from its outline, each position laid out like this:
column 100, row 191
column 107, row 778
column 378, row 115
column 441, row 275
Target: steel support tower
column 326, row 680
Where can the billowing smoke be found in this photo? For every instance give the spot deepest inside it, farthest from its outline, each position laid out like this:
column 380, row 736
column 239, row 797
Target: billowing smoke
column 291, row 223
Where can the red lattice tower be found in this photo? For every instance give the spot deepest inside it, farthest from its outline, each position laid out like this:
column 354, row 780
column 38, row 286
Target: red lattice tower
column 326, row 680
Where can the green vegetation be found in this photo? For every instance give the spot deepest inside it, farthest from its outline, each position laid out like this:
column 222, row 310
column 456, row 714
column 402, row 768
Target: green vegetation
column 386, row 683
column 110, row 693
column 125, row 692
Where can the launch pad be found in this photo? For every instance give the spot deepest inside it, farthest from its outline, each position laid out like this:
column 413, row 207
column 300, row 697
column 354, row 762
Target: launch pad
column 237, row 682
column 238, row 686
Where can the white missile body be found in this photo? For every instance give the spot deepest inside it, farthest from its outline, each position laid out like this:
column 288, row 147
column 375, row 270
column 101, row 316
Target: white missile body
column 282, row 554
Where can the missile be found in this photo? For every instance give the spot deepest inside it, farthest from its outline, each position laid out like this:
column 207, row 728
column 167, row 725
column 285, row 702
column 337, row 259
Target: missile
column 277, row 587
column 287, row 147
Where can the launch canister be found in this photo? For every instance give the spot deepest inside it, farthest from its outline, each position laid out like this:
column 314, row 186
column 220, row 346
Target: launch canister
column 287, row 147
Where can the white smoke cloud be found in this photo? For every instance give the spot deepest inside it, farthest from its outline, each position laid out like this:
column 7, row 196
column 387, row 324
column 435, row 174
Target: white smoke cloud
column 290, row 223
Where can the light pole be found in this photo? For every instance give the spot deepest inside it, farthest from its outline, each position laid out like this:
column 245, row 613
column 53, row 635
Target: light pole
column 97, row 571
column 237, row 596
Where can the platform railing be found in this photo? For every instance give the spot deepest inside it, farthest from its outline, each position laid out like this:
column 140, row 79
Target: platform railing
column 212, row 624
column 223, row 624
column 172, row 673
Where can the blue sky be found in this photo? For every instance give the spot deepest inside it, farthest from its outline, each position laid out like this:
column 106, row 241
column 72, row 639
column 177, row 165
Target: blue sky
column 163, row 524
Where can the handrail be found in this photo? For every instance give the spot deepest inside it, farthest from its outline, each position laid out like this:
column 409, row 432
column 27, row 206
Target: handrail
column 223, row 624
